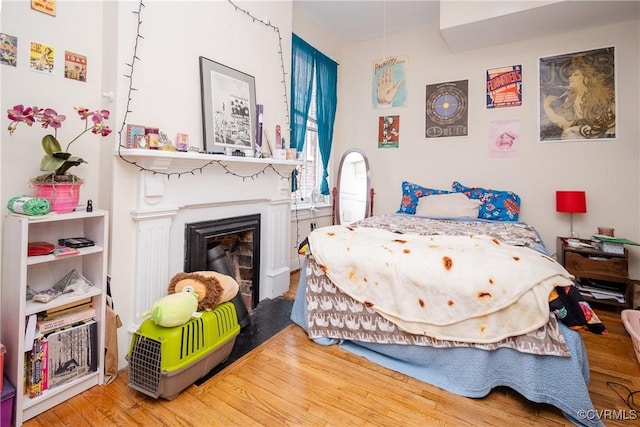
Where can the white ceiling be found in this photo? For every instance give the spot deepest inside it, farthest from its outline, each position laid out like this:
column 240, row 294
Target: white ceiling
column 354, row 21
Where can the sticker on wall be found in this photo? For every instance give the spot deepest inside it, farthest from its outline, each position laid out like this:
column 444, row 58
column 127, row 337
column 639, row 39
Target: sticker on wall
column 388, row 131
column 446, row 109
column 8, row 49
column 578, row 96
column 389, row 88
column 504, row 87
column 44, row 6
column 504, row 138
column 75, row 66
column 41, row 58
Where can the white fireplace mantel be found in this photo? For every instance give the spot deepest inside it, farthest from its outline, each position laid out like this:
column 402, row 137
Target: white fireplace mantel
column 176, row 188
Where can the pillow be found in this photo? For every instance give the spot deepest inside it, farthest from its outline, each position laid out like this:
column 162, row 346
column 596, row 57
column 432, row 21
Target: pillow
column 448, row 206
column 497, row 205
column 410, row 195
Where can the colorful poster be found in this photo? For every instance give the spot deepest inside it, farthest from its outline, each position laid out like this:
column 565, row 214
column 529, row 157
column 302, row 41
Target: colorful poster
column 8, row 49
column 75, row 66
column 578, row 96
column 44, row 6
column 447, row 109
column 41, row 58
column 388, row 132
column 504, row 87
column 504, row 138
column 389, row 88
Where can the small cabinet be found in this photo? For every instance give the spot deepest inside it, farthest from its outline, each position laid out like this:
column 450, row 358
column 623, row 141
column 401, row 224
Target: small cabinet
column 601, row 277
column 42, row 272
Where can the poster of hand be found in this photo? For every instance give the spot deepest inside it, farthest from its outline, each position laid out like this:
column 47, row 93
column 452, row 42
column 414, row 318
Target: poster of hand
column 389, row 82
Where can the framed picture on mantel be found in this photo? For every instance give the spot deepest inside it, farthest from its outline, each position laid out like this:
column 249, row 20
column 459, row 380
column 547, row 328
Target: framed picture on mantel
column 228, row 107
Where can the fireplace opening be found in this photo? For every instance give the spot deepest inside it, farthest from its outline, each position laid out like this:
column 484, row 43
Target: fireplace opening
column 238, row 240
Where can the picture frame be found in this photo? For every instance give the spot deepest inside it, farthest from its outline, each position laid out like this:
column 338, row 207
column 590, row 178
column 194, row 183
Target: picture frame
column 577, row 96
column 132, row 132
column 228, row 107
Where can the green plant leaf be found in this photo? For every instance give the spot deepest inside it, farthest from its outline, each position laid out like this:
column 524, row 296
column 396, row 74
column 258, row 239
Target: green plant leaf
column 50, row 145
column 50, row 163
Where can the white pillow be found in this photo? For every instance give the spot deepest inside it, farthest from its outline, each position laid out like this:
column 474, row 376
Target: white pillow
column 448, row 206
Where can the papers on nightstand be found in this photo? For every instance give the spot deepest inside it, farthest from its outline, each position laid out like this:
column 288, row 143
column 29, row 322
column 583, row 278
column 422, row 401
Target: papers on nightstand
column 619, row 240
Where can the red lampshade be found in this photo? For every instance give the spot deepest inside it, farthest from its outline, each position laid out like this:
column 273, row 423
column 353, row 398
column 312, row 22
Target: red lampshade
column 571, row 201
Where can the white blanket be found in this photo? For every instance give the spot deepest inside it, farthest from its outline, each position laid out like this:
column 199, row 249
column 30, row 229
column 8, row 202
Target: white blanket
column 464, row 288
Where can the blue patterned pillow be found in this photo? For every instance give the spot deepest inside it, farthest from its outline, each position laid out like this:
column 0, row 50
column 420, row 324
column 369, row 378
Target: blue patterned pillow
column 410, row 195
column 496, row 205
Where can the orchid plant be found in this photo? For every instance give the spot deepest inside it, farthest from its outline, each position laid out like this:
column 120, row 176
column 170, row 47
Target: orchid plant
column 55, row 160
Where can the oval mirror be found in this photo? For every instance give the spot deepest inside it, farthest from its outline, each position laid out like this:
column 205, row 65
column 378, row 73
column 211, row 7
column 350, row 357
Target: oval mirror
column 352, row 202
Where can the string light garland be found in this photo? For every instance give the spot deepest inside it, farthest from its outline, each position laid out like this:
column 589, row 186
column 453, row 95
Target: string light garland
column 130, row 76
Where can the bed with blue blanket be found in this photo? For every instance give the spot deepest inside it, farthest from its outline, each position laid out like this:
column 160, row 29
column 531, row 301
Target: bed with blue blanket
column 344, row 297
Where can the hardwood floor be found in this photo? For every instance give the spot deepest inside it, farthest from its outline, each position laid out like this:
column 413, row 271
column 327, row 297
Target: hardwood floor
column 289, row 380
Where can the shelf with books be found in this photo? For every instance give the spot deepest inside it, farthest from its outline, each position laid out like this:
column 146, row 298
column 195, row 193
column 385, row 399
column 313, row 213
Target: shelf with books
column 34, row 307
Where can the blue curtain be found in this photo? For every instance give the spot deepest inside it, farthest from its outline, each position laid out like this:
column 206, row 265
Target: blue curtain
column 326, row 101
column 302, row 64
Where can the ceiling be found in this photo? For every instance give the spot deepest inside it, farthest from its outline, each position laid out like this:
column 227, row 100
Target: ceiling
column 354, row 21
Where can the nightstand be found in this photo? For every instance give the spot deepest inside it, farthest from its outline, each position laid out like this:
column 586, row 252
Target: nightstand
column 600, row 276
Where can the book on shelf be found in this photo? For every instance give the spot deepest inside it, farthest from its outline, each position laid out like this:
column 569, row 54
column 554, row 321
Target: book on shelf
column 73, row 353
column 67, row 305
column 45, row 315
column 36, row 364
column 45, row 326
column 63, row 251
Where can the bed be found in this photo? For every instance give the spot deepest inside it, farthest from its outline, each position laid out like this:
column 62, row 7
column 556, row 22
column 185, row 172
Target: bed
column 467, row 354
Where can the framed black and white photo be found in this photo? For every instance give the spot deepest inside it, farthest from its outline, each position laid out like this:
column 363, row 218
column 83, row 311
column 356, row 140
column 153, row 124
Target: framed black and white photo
column 228, row 107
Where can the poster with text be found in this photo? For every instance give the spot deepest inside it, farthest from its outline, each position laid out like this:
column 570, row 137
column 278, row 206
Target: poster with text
column 504, row 87
column 578, row 96
column 389, row 88
column 75, row 66
column 41, row 58
column 447, row 109
column 504, row 138
column 388, row 131
column 8, row 49
column 44, row 6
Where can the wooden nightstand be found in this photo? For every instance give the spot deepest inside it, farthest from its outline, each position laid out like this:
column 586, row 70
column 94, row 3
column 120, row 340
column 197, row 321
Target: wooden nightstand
column 597, row 270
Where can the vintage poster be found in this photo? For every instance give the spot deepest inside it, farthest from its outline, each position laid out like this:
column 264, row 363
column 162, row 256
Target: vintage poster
column 504, row 138
column 447, row 109
column 8, row 49
column 41, row 58
column 388, row 131
column 578, row 96
column 389, row 88
column 44, row 6
column 504, row 87
column 75, row 66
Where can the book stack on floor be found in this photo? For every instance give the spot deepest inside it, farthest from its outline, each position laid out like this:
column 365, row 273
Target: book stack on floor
column 65, row 347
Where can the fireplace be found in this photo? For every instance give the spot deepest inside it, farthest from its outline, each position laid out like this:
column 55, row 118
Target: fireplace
column 238, row 240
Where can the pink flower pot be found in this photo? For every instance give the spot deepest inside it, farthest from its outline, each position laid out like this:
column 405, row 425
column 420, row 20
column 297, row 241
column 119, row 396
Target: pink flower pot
column 62, row 196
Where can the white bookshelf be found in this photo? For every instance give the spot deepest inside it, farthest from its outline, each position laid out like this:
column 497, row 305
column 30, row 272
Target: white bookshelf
column 42, row 272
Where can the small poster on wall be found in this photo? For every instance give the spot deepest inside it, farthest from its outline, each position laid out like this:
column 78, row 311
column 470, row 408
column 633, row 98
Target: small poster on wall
column 8, row 49
column 388, row 132
column 446, row 109
column 41, row 58
column 44, row 6
column 578, row 96
column 504, row 87
column 75, row 66
column 389, row 87
column 504, row 138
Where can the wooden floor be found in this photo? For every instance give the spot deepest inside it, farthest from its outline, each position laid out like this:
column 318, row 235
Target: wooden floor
column 291, row 381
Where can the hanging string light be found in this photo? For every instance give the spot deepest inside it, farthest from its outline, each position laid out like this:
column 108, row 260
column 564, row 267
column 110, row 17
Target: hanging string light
column 130, row 76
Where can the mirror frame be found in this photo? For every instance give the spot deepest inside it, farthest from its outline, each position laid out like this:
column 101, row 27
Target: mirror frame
column 367, row 205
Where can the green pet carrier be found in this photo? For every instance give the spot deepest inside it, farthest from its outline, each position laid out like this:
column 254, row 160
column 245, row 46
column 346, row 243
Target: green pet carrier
column 165, row 361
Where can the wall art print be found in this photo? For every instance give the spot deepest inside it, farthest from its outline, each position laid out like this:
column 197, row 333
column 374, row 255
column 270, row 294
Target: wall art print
column 447, row 112
column 388, row 131
column 41, row 58
column 504, row 87
column 578, row 96
column 389, row 88
column 228, row 106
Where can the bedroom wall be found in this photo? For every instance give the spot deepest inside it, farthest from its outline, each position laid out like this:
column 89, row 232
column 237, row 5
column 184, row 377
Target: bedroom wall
column 606, row 170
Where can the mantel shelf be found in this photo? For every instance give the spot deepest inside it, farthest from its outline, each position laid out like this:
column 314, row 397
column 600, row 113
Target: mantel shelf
column 158, row 160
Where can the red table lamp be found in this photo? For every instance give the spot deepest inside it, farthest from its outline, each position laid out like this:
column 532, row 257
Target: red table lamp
column 571, row 202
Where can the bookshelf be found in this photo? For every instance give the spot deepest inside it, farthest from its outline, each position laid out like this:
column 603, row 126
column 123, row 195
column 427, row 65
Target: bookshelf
column 42, row 272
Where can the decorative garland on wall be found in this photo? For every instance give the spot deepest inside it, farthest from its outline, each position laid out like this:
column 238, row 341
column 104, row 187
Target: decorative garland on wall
column 135, row 58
